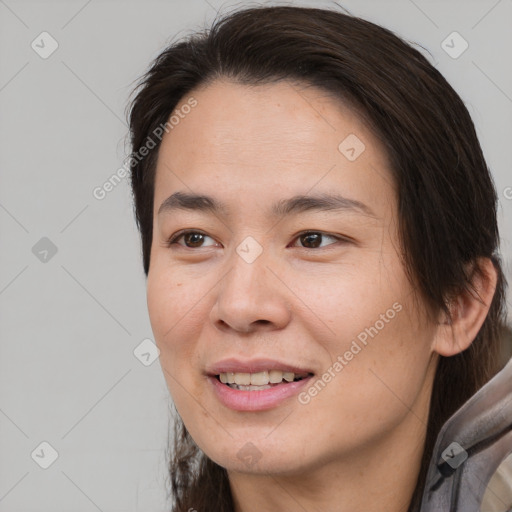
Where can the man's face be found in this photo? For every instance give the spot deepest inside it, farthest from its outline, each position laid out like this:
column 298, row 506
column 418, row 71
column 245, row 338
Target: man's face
column 271, row 284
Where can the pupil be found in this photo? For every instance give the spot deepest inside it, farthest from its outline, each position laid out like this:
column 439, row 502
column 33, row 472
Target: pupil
column 314, row 239
column 192, row 235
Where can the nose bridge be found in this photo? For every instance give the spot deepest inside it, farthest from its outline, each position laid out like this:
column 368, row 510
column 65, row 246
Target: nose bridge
column 247, row 294
column 248, row 275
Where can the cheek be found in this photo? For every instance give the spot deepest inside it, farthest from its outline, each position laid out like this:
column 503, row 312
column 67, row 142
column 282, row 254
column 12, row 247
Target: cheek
column 171, row 299
column 348, row 297
column 382, row 367
column 381, row 351
column 173, row 317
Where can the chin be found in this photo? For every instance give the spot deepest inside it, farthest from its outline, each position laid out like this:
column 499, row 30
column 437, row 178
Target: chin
column 261, row 456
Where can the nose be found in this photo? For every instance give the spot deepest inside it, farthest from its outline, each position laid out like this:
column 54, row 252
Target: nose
column 251, row 296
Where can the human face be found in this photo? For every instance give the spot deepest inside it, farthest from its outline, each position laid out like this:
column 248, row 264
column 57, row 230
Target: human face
column 249, row 287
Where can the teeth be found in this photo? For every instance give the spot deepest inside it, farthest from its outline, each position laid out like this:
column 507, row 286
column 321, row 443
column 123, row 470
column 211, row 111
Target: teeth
column 288, row 376
column 249, row 388
column 275, row 376
column 243, row 379
column 227, row 378
column 258, row 379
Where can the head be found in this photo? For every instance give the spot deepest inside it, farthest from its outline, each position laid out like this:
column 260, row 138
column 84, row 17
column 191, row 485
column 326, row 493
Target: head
column 315, row 194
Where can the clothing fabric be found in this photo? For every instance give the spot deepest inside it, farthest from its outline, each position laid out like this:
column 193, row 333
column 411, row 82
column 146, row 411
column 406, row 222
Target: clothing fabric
column 498, row 495
column 471, row 465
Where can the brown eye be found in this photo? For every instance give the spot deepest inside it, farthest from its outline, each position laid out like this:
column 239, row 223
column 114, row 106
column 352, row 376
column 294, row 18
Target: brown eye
column 192, row 239
column 313, row 239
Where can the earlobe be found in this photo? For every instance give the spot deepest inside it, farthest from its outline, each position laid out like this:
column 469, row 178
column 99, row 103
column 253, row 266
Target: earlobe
column 468, row 311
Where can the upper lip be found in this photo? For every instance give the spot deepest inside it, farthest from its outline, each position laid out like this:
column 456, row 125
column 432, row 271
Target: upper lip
column 233, row 365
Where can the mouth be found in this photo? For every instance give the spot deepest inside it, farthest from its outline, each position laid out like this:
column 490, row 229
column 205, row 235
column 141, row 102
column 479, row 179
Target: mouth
column 257, row 390
column 260, row 381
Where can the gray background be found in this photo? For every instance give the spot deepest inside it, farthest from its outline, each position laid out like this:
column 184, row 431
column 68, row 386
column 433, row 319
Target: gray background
column 70, row 321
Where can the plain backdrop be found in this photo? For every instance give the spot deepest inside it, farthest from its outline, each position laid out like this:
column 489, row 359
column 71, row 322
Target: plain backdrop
column 77, row 392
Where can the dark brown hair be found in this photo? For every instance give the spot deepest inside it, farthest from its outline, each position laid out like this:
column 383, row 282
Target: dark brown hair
column 446, row 197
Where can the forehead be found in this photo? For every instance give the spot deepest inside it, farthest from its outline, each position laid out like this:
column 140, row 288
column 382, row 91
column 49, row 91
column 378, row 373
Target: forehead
column 272, row 115
column 279, row 135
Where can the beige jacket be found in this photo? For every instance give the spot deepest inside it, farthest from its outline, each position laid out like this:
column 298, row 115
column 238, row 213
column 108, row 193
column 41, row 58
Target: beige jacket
column 498, row 496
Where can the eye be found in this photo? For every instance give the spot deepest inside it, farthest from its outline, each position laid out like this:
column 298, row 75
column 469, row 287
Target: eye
column 313, row 239
column 195, row 239
column 192, row 239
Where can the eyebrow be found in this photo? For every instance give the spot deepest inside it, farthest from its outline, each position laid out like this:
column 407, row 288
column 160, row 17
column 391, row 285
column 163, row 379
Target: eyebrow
column 294, row 205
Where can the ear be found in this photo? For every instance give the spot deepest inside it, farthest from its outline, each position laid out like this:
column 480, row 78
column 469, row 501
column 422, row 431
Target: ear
column 468, row 311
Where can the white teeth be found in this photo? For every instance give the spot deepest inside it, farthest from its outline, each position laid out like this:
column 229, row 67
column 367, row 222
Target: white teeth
column 243, row 379
column 275, row 376
column 227, row 378
column 257, row 379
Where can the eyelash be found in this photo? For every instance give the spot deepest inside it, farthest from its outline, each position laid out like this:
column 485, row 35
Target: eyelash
column 174, row 238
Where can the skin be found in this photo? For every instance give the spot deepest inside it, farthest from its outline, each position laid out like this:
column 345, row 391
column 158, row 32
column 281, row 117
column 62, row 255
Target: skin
column 359, row 441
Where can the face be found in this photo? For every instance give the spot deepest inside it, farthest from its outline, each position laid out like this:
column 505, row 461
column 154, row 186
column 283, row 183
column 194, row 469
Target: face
column 257, row 283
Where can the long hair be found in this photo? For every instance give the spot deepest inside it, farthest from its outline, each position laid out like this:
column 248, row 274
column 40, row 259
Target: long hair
column 446, row 196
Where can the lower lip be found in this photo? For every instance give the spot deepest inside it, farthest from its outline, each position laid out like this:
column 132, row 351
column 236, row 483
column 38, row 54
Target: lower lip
column 240, row 400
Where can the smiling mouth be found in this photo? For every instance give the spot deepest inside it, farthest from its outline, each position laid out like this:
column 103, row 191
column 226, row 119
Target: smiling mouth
column 260, row 380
